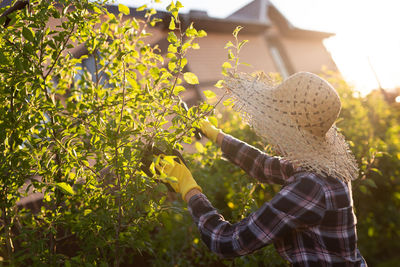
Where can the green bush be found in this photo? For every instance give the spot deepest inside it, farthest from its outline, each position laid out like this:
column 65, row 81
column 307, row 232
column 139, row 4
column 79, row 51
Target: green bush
column 372, row 123
column 79, row 137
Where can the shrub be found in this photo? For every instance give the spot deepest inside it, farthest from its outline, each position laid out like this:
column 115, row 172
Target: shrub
column 79, row 138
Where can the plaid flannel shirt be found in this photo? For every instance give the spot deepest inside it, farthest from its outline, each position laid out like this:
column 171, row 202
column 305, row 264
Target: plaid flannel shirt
column 310, row 221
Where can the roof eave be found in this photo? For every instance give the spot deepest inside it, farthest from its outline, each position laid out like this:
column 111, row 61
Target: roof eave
column 227, row 25
column 288, row 29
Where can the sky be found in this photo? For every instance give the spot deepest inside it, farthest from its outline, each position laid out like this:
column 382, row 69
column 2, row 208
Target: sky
column 366, row 47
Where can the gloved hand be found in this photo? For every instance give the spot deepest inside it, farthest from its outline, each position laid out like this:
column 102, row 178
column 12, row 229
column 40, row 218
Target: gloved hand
column 184, row 179
column 209, row 130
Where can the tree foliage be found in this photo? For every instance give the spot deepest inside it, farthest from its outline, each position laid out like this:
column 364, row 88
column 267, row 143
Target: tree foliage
column 78, row 137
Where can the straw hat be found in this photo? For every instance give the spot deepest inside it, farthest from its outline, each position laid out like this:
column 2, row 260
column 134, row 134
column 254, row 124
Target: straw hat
column 297, row 118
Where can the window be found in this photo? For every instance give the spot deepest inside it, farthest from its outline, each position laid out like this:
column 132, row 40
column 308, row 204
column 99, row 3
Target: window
column 279, row 62
column 88, row 64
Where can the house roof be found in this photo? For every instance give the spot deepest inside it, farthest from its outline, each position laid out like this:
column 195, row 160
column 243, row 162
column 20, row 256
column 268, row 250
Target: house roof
column 265, row 11
column 253, row 11
column 286, row 27
column 202, row 21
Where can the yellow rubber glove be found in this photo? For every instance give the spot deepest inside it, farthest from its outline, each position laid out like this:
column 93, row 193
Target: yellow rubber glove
column 209, row 130
column 184, row 179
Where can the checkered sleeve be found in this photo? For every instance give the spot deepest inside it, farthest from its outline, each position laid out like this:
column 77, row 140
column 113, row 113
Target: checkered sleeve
column 299, row 204
column 256, row 163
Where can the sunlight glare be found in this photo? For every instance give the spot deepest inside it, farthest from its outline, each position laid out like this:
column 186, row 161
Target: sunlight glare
column 366, row 46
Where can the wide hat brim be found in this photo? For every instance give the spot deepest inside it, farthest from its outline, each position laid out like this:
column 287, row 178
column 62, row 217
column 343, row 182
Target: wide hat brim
column 326, row 155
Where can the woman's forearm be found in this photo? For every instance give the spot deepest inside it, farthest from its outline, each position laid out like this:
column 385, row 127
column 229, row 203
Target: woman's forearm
column 191, row 193
column 220, row 138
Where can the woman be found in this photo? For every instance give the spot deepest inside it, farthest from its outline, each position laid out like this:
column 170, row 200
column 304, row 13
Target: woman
column 311, row 220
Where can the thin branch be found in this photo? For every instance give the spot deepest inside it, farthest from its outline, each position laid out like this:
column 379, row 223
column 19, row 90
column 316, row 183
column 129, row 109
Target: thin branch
column 66, row 40
column 77, row 159
column 119, row 219
column 198, row 117
column 179, row 72
column 96, row 68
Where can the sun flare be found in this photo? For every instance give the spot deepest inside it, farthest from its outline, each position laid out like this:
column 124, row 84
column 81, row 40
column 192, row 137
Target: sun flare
column 366, row 46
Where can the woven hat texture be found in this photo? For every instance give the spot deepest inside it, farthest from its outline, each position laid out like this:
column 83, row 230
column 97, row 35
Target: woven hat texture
column 297, row 118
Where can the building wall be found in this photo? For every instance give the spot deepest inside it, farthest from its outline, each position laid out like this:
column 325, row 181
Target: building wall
column 206, row 62
column 307, row 54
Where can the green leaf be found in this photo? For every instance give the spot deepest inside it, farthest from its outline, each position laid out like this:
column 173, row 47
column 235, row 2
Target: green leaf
column 123, row 9
column 155, row 21
column 213, row 120
column 370, row 183
column 246, row 64
column 95, row 9
column 225, row 68
column 172, row 24
column 187, row 140
column 2, row 20
column 133, row 82
column 87, row 211
column 127, row 153
column 179, row 4
column 219, row 84
column 28, row 34
column 377, row 171
column 199, row 147
column 241, row 44
column 18, row 64
column 209, row 94
column 141, row 8
column 191, row 32
column 135, row 24
column 155, row 73
column 104, row 27
column 171, row 6
column 183, row 62
column 195, row 46
column 230, row 55
column 371, row 231
column 229, row 44
column 171, row 65
column 237, row 30
column 66, row 188
column 178, row 89
column 170, row 160
column 190, row 78
column 3, row 59
column 172, row 48
column 152, row 11
column 226, row 65
column 228, row 102
column 172, row 37
column 201, row 33
column 173, row 9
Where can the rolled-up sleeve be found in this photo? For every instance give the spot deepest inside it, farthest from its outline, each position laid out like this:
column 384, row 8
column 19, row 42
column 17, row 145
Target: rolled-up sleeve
column 257, row 164
column 299, row 204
